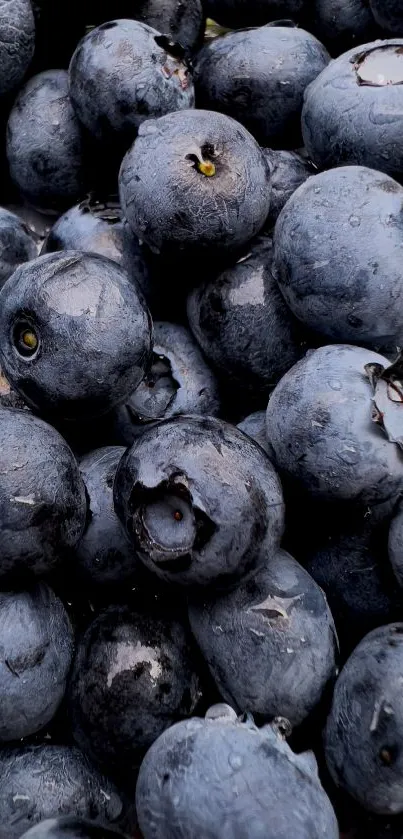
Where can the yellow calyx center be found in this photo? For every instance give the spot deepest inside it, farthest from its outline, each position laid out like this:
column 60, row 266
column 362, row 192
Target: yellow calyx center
column 206, row 167
column 29, row 339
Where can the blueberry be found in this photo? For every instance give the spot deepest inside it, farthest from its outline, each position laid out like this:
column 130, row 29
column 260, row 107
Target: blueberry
column 70, row 827
column 237, row 14
column 177, row 382
column 47, row 160
column 323, row 426
column 199, row 500
column 183, row 21
column 244, row 74
column 75, row 334
column 133, row 677
column 342, row 24
column 17, row 42
column 42, row 497
column 16, row 244
column 389, row 15
column 333, row 283
column 204, row 160
column 104, row 555
column 123, row 73
column 98, row 227
column 351, row 109
column 226, row 779
column 270, row 643
column 36, row 640
column 48, row 781
column 243, row 325
column 254, row 425
column 362, row 739
column 288, row 171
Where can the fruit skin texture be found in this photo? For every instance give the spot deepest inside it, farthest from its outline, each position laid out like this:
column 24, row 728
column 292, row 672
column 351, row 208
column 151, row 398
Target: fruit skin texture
column 17, row 42
column 40, row 782
column 177, row 382
column 244, row 75
column 270, row 643
column 229, row 780
column 69, row 827
column 364, row 728
column 42, row 496
column 133, row 677
column 183, row 21
column 347, row 121
column 238, row 14
column 332, row 283
column 243, row 325
column 121, row 76
column 94, row 331
column 47, row 161
column 100, row 228
column 36, row 639
column 162, row 204
column 187, row 528
column 319, row 423
column 16, row 244
column 288, row 170
column 254, row 425
column 104, row 555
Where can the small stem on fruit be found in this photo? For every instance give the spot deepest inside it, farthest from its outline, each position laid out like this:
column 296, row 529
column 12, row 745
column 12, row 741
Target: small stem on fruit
column 206, row 167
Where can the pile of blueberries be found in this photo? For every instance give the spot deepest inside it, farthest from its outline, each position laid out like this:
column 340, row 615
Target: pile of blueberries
column 201, row 419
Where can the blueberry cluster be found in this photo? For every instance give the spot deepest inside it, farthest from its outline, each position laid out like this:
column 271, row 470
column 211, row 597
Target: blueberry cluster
column 201, row 419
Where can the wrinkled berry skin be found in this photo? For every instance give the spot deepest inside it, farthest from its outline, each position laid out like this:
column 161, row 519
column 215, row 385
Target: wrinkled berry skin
column 43, row 782
column 254, row 425
column 349, row 120
column 342, row 24
column 162, row 205
column 187, row 528
column 395, row 544
column 331, row 282
column 98, row 227
column 243, row 325
column 275, row 58
column 183, row 21
column 238, row 14
column 70, row 827
column 17, row 245
column 47, row 161
column 364, row 728
column 42, row 496
column 133, row 677
column 389, row 15
column 319, row 423
column 270, row 643
column 92, row 328
column 225, row 779
column 104, row 555
column 178, row 381
column 36, row 639
column 288, row 170
column 120, row 76
column 17, row 42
